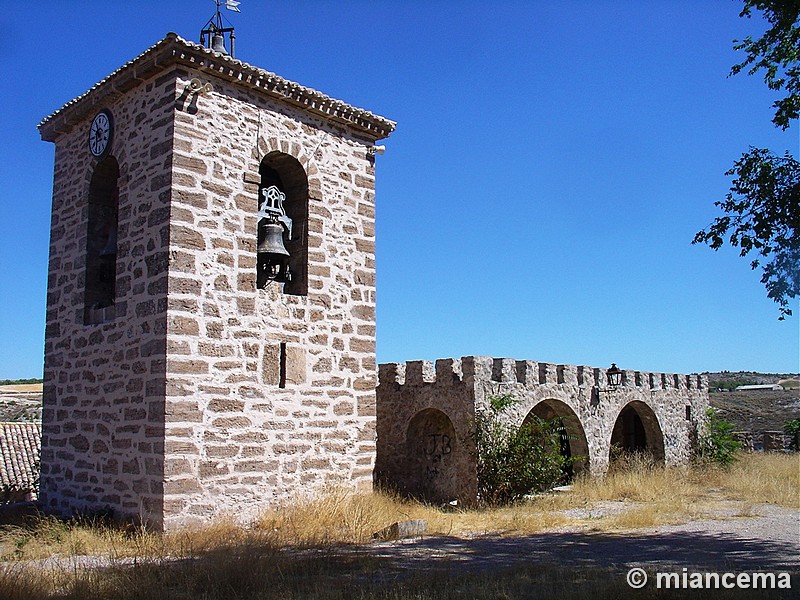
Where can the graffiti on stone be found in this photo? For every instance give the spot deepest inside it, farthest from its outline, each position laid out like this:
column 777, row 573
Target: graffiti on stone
column 430, row 439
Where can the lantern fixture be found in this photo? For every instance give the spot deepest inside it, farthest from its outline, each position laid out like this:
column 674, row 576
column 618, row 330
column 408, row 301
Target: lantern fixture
column 614, row 375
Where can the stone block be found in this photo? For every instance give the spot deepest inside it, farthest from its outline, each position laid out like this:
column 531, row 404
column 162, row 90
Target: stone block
column 271, row 364
column 295, row 365
column 402, row 530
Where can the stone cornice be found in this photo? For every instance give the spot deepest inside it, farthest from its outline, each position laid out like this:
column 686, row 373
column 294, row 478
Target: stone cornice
column 174, row 50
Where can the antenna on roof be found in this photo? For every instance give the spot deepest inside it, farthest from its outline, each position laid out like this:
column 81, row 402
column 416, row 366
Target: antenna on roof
column 213, row 34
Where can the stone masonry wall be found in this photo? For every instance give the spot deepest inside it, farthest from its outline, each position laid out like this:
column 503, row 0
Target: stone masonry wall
column 427, row 464
column 670, row 406
column 102, row 430
column 236, row 441
column 200, row 394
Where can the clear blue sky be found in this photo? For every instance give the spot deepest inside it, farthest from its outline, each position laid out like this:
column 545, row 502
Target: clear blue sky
column 551, row 164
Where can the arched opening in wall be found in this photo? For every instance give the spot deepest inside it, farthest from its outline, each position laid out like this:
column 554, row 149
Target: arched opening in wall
column 573, row 437
column 101, row 243
column 431, row 470
column 287, row 174
column 637, row 431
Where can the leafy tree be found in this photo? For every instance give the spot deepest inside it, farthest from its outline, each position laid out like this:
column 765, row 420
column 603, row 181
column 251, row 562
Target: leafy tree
column 792, row 428
column 716, row 443
column 763, row 206
column 514, row 461
column 763, row 217
column 19, row 381
column 776, row 53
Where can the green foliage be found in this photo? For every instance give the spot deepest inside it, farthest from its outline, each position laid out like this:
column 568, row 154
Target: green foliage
column 792, row 428
column 514, row 461
column 776, row 54
column 762, row 210
column 762, row 214
column 732, row 384
column 716, row 443
column 19, row 381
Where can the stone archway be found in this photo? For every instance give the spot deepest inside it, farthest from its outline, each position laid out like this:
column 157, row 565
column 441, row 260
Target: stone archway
column 431, row 449
column 287, row 173
column 637, row 430
column 573, row 442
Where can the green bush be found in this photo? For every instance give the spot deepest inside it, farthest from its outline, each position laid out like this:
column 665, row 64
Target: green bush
column 19, row 381
column 716, row 443
column 792, row 428
column 514, row 461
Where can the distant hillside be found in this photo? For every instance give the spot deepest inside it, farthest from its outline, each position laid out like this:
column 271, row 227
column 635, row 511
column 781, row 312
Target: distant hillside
column 21, row 402
column 730, row 380
column 759, row 410
column 4, row 382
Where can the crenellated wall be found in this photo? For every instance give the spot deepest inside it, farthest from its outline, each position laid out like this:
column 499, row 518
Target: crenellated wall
column 659, row 410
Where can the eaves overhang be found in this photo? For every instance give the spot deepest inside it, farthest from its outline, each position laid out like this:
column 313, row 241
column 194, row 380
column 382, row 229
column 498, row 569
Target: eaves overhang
column 174, row 50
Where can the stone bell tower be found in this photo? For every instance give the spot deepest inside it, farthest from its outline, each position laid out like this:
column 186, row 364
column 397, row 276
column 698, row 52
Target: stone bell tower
column 210, row 338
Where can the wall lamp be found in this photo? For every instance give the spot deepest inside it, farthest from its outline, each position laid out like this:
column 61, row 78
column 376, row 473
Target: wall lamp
column 614, row 375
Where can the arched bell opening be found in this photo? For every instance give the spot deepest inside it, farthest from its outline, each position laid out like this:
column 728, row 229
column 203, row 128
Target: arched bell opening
column 100, row 279
column 573, row 444
column 283, row 241
column 431, row 449
column 637, row 432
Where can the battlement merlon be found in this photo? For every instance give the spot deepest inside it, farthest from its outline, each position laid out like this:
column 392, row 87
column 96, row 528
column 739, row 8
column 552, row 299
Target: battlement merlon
column 468, row 369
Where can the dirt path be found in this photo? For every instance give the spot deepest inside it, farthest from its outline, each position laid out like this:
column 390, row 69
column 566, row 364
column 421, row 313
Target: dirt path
column 769, row 540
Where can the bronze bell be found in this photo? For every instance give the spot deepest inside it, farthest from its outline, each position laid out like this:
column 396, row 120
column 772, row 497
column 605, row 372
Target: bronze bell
column 218, row 44
column 272, row 244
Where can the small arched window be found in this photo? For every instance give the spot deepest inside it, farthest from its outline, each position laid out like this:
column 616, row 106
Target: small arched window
column 287, row 174
column 101, row 243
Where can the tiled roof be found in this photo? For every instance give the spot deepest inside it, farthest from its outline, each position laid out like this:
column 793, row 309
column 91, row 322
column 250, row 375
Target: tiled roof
column 174, row 49
column 20, row 444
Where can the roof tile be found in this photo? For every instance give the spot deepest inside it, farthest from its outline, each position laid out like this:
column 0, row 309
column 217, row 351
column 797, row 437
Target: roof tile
column 20, row 444
column 174, row 49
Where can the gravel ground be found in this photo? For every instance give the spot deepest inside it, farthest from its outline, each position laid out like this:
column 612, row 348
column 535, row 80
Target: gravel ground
column 768, row 540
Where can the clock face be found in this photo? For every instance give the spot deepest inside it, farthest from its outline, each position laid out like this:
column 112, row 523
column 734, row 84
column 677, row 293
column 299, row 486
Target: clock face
column 100, row 134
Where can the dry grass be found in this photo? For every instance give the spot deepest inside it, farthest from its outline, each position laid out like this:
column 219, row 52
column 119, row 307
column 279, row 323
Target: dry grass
column 22, row 388
column 339, row 516
column 226, row 560
column 48, row 536
column 258, row 576
column 660, row 496
column 652, row 495
column 764, row 478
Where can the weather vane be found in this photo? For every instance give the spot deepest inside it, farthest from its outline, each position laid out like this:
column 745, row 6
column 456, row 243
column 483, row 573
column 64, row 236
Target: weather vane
column 213, row 34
